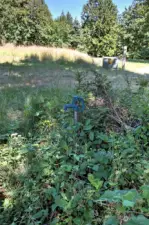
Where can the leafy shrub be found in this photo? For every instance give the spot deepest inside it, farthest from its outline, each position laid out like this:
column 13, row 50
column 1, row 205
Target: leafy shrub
column 140, row 54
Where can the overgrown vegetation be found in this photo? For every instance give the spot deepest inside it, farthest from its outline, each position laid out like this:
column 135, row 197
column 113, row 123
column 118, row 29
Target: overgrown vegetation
column 94, row 172
column 54, row 171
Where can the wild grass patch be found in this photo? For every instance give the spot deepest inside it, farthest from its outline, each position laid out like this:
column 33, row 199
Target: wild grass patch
column 11, row 53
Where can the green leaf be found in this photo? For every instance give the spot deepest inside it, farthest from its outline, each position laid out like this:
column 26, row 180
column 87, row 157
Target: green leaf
column 95, row 182
column 7, row 203
column 88, row 127
column 103, row 137
column 54, row 207
column 40, row 214
column 77, row 221
column 68, row 168
column 111, row 221
column 145, row 191
column 50, row 192
column 121, row 209
column 64, row 196
column 61, row 202
column 131, row 195
column 24, row 151
column 113, row 196
column 127, row 203
column 77, row 157
column 95, row 168
column 87, row 122
column 103, row 156
column 130, row 198
column 140, row 220
column 64, row 145
column 54, row 222
column 127, row 197
column 91, row 136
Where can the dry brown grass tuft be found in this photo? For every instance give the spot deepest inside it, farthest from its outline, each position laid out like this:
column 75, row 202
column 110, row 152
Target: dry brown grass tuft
column 11, row 53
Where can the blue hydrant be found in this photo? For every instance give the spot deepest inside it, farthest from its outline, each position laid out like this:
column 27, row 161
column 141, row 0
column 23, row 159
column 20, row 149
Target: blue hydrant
column 77, row 105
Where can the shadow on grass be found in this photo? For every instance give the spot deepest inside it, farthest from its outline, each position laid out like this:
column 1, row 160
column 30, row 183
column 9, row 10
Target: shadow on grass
column 35, row 72
column 45, row 58
column 40, row 71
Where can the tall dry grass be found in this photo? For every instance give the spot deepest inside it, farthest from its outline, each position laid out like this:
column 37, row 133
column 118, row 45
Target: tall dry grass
column 11, row 53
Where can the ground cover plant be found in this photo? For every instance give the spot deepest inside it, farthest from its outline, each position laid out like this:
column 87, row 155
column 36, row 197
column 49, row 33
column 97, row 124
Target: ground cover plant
column 56, row 172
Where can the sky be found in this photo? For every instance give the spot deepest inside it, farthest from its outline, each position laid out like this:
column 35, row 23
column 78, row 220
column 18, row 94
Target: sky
column 75, row 6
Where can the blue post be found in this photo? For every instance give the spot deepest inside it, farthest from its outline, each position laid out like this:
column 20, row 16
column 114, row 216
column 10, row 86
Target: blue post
column 77, row 105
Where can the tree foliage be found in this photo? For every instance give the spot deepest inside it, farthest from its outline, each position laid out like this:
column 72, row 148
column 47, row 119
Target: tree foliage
column 135, row 26
column 63, row 31
column 25, row 22
column 100, row 27
column 102, row 31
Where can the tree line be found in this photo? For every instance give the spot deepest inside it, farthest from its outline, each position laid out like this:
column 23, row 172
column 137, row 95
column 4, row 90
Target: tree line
column 101, row 31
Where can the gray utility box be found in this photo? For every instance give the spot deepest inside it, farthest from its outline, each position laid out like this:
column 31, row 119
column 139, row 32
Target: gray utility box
column 110, row 62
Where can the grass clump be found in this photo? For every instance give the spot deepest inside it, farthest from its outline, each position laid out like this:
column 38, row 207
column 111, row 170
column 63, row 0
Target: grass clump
column 13, row 53
column 22, row 109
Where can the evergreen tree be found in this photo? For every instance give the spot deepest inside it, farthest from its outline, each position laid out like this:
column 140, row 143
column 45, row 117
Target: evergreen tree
column 147, row 14
column 25, row 21
column 66, row 31
column 61, row 32
column 69, row 18
column 99, row 19
column 75, row 39
column 135, row 26
column 62, row 17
